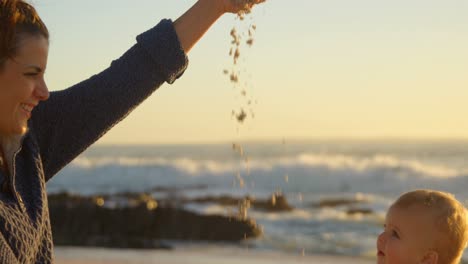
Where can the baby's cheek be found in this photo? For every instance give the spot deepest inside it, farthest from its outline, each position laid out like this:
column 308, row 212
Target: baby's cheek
column 395, row 252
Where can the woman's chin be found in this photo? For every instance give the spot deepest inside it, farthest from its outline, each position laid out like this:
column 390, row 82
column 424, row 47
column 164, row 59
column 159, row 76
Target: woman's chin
column 22, row 131
column 19, row 130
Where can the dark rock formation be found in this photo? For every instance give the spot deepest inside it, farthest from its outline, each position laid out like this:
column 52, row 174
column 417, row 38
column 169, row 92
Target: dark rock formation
column 86, row 221
column 338, row 202
column 276, row 203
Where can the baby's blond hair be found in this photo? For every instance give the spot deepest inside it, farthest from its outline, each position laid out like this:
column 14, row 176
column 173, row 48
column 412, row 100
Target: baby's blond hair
column 450, row 220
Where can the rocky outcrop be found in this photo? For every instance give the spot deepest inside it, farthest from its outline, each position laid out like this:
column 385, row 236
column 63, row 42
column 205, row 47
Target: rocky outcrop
column 359, row 211
column 350, row 205
column 338, row 202
column 276, row 203
column 141, row 223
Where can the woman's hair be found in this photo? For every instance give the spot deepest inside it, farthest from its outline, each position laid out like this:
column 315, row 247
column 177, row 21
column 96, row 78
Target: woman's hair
column 17, row 19
column 450, row 220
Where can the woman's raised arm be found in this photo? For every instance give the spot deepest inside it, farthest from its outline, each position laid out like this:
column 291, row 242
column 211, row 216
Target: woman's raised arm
column 73, row 119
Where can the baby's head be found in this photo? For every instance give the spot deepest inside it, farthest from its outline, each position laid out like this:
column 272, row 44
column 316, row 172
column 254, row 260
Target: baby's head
column 423, row 226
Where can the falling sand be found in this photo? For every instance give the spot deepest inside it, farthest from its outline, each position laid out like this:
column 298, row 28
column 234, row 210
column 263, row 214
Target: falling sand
column 239, row 40
column 234, row 74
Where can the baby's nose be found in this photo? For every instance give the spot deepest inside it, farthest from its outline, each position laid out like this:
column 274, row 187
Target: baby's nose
column 381, row 240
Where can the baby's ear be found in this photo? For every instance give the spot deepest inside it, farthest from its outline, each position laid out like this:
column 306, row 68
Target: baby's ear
column 431, row 257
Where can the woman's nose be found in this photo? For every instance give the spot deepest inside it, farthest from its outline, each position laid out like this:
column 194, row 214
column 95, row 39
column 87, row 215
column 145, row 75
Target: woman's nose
column 41, row 91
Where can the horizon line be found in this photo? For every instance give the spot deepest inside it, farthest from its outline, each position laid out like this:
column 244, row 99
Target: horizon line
column 286, row 140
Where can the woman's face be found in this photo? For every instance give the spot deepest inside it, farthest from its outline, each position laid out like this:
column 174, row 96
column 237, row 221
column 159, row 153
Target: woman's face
column 22, row 84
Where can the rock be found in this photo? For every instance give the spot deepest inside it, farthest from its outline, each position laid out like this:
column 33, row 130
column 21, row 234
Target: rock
column 276, row 203
column 86, row 221
column 222, row 200
column 338, row 202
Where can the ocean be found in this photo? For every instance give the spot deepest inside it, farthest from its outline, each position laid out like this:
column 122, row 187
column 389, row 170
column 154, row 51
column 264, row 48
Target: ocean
column 373, row 173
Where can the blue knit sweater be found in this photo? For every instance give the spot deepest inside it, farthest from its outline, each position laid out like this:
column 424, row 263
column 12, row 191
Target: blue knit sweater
column 69, row 122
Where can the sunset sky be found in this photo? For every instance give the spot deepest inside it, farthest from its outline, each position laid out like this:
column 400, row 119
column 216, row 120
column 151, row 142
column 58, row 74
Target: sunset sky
column 318, row 69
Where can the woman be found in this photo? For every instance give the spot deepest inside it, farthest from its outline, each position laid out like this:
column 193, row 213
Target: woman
column 41, row 132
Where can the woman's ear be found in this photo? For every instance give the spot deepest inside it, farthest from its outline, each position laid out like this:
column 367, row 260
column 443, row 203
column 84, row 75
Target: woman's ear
column 431, row 257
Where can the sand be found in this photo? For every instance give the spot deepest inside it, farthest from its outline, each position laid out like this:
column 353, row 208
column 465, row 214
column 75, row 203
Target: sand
column 73, row 255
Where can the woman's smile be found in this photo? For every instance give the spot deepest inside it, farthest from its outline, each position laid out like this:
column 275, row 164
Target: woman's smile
column 27, row 109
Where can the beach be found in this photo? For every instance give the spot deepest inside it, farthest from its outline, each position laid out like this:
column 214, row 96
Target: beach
column 337, row 195
column 75, row 255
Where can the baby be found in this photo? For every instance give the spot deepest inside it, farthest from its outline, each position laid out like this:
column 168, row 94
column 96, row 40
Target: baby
column 423, row 226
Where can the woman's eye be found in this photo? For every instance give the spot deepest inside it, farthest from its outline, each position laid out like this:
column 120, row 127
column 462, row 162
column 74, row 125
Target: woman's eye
column 31, row 74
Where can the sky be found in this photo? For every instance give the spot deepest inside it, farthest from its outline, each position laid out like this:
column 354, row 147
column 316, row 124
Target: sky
column 317, row 70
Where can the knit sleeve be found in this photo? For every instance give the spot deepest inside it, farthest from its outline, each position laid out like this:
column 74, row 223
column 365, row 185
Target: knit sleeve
column 72, row 119
column 6, row 253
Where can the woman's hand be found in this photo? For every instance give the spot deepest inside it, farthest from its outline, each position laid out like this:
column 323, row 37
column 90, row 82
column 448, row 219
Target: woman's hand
column 191, row 26
column 239, row 6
